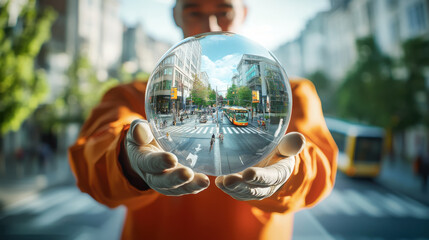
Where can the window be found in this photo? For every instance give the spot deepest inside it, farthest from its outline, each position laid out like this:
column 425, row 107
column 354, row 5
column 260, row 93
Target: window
column 169, row 60
column 368, row 149
column 340, row 140
column 416, row 18
column 178, row 76
column 166, row 85
column 179, row 63
column 168, row 71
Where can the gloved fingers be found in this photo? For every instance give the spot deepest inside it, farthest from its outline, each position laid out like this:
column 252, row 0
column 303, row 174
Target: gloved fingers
column 241, row 190
column 272, row 175
column 198, row 184
column 169, row 179
column 291, row 144
column 156, row 162
column 140, row 133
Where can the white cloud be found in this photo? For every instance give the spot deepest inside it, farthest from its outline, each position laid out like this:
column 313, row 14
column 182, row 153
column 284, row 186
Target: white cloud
column 221, row 71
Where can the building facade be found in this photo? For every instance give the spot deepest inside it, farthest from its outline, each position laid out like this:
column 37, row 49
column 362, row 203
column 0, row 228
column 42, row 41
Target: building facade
column 179, row 69
column 265, row 76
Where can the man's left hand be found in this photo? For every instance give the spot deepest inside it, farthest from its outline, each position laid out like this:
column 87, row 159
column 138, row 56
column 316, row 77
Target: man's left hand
column 257, row 183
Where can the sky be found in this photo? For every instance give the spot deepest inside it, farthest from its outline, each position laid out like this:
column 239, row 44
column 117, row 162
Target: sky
column 221, row 55
column 276, row 22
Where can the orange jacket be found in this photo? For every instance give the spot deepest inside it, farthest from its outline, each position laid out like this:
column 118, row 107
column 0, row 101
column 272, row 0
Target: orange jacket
column 210, row 214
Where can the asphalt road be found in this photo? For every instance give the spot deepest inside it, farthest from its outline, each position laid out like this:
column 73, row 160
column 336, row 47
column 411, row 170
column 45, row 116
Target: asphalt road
column 242, row 147
column 364, row 209
column 356, row 209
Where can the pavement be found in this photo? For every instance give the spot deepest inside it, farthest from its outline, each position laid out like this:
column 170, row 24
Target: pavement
column 399, row 176
column 15, row 188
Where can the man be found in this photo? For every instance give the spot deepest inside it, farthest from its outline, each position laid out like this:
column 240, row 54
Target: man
column 118, row 162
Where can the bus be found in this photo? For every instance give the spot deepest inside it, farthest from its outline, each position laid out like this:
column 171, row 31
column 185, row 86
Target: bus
column 360, row 147
column 237, row 115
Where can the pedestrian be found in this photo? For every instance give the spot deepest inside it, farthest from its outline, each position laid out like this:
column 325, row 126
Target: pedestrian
column 118, row 162
column 421, row 167
column 212, row 141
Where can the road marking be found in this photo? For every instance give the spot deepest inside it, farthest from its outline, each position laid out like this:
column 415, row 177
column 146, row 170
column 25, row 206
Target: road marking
column 235, row 130
column 192, row 159
column 229, row 130
column 337, row 201
column 246, row 130
column 199, row 130
column 217, row 161
column 196, row 129
column 54, row 214
column 252, row 130
column 387, row 203
column 239, row 157
column 224, row 131
column 418, row 210
column 211, row 130
column 240, row 130
column 363, row 203
column 190, row 129
column 205, row 130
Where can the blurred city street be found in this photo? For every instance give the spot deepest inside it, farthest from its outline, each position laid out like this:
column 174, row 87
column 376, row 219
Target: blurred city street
column 356, row 209
column 363, row 64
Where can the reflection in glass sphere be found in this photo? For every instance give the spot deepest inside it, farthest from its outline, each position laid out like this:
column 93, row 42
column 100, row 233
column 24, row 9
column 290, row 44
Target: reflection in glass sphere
column 219, row 102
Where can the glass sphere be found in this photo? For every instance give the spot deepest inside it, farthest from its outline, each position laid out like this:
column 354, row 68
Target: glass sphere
column 218, row 101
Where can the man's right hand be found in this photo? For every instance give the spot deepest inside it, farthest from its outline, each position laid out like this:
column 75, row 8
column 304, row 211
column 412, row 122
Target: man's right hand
column 160, row 170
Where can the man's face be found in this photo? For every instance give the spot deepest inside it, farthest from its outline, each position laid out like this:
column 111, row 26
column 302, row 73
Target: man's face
column 200, row 16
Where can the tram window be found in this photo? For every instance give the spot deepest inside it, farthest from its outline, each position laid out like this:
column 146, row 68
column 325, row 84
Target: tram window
column 368, row 149
column 340, row 140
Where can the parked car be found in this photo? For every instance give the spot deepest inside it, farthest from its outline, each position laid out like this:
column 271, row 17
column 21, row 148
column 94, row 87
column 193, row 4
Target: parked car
column 203, row 119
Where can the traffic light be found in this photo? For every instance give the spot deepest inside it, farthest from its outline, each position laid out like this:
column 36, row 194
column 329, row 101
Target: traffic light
column 173, row 93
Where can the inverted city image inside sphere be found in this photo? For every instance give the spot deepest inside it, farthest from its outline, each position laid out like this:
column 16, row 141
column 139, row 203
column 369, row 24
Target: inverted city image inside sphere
column 218, row 101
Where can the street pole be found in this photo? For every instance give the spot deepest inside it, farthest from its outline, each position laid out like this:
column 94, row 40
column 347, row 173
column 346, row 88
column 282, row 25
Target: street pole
column 217, row 110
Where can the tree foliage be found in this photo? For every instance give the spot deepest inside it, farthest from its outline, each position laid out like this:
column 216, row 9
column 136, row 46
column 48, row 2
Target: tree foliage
column 244, row 96
column 416, row 61
column 324, row 88
column 232, row 95
column 22, row 86
column 369, row 92
column 200, row 92
column 83, row 91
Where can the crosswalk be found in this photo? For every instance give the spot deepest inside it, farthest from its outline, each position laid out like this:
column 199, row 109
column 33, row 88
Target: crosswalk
column 55, row 213
column 213, row 129
column 371, row 203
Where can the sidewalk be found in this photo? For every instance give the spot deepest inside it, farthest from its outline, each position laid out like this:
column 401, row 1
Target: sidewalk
column 14, row 189
column 399, row 176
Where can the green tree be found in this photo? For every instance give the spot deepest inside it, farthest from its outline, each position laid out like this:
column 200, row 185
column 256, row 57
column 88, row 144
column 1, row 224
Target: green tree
column 22, row 87
column 416, row 94
column 324, row 89
column 244, row 96
column 83, row 91
column 231, row 95
column 369, row 93
column 212, row 96
column 199, row 92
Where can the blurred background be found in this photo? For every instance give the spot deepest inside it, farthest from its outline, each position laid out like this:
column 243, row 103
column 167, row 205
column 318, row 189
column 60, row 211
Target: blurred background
column 369, row 61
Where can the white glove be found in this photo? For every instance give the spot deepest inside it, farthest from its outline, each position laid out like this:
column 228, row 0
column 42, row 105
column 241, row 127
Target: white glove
column 257, row 183
column 159, row 169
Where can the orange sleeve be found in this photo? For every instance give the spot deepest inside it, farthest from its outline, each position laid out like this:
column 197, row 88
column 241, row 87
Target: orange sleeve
column 315, row 167
column 94, row 156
